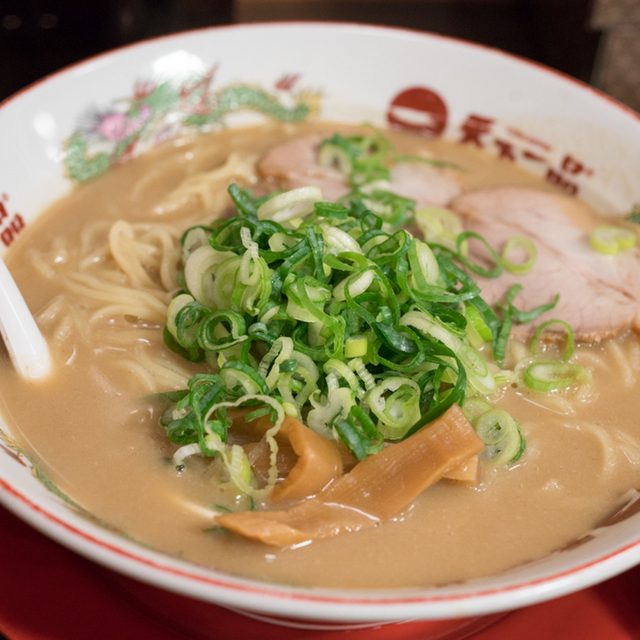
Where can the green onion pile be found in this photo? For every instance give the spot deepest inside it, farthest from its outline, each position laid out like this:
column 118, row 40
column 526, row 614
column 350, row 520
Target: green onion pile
column 332, row 313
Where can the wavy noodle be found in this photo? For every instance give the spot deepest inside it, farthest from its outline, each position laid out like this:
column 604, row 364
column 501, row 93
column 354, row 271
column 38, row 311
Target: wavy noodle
column 629, row 447
column 586, row 393
column 93, row 243
column 167, row 242
column 52, row 311
column 62, row 321
column 119, row 300
column 634, row 349
column 155, row 374
column 155, row 178
column 593, row 359
column 209, row 187
column 613, row 442
column 557, row 403
column 61, row 253
column 128, row 255
column 147, row 180
column 131, row 273
column 130, row 312
column 47, row 263
column 41, row 265
column 165, row 370
column 517, row 351
column 106, row 382
column 141, row 375
column 627, row 375
column 146, row 253
column 565, row 403
column 125, row 336
column 605, row 440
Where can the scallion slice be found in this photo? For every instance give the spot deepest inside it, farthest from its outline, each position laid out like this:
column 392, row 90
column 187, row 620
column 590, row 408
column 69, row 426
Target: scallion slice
column 535, row 343
column 611, row 239
column 554, row 376
column 296, row 203
column 439, row 226
column 478, row 323
column 501, row 435
column 332, row 155
column 396, row 404
column 523, row 244
column 356, row 346
column 476, row 268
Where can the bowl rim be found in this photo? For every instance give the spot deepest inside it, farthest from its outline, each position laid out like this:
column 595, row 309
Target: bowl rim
column 345, row 25
column 186, row 578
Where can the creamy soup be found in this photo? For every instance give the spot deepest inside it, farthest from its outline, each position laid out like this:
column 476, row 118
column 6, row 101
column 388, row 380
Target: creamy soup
column 92, row 431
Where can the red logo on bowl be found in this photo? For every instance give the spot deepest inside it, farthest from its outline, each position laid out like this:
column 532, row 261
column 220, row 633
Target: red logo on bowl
column 419, row 110
column 10, row 225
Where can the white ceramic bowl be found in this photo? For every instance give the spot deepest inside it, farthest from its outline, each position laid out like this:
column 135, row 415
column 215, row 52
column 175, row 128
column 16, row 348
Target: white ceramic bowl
column 543, row 120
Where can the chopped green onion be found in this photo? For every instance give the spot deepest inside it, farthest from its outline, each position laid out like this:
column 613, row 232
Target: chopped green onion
column 331, row 210
column 424, row 266
column 535, row 348
column 525, row 316
column 177, row 304
column 511, row 313
column 478, row 323
column 439, row 226
column 475, row 268
column 611, row 240
column 241, row 379
column 474, row 407
column 634, row 214
column 548, row 377
column 434, row 162
column 357, row 284
column 396, row 404
column 243, row 201
column 290, row 204
column 331, row 312
column 501, row 435
column 359, row 433
column 331, row 155
column 192, row 239
column 524, row 244
column 341, row 370
column 356, row 347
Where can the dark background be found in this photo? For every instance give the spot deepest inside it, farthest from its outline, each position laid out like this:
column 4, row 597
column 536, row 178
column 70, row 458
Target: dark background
column 40, row 36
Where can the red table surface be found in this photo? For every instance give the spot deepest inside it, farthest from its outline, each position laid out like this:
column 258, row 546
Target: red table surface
column 49, row 593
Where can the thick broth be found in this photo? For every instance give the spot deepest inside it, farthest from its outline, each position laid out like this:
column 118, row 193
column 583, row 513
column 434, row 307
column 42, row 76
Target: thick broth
column 91, row 432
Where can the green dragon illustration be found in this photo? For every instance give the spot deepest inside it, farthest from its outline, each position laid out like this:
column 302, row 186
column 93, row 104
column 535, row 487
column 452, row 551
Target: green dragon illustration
column 153, row 106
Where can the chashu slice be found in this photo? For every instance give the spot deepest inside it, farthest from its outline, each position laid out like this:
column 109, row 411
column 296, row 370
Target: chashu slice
column 295, row 164
column 599, row 294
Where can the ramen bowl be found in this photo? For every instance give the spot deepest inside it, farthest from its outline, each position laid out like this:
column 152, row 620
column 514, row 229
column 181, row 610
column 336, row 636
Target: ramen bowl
column 574, row 137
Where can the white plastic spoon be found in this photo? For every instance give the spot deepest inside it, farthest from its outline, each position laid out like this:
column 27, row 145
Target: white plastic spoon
column 26, row 346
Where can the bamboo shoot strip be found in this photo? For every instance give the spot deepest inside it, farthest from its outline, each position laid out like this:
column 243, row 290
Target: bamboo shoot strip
column 373, row 491
column 319, row 460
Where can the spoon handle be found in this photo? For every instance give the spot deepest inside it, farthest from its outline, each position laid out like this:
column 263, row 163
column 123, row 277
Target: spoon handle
column 26, row 346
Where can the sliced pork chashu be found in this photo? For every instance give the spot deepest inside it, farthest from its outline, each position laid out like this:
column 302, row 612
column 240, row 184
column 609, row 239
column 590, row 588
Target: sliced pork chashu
column 599, row 294
column 295, row 164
